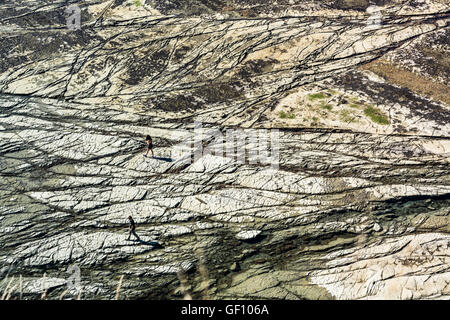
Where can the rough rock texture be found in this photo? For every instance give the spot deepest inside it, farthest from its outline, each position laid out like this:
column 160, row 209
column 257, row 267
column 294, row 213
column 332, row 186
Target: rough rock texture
column 358, row 207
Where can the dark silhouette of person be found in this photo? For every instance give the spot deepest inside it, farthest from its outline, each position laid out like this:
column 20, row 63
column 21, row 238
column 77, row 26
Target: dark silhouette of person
column 148, row 141
column 132, row 228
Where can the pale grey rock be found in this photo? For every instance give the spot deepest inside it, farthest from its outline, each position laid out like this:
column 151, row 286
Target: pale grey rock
column 392, row 270
column 247, row 234
column 377, row 227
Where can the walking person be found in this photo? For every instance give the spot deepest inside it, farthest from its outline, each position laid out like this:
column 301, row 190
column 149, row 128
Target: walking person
column 148, row 141
column 132, row 228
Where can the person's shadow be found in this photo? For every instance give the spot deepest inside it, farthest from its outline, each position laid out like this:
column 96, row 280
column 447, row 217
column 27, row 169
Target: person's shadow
column 160, row 158
column 149, row 243
column 163, row 159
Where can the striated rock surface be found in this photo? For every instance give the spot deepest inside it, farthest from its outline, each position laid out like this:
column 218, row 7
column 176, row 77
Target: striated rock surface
column 357, row 206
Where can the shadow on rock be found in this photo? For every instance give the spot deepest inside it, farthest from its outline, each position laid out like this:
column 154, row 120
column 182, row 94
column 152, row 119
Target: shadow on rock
column 149, row 243
column 256, row 239
column 161, row 159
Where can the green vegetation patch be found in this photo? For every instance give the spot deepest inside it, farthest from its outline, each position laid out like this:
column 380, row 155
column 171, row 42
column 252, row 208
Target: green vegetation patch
column 137, row 3
column 326, row 106
column 376, row 115
column 288, row 115
column 316, row 96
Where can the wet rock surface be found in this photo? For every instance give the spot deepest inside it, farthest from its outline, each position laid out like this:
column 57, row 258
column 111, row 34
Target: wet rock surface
column 358, row 207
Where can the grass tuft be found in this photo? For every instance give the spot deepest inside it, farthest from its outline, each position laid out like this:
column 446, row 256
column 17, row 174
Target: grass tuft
column 328, row 107
column 284, row 115
column 316, row 96
column 376, row 115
